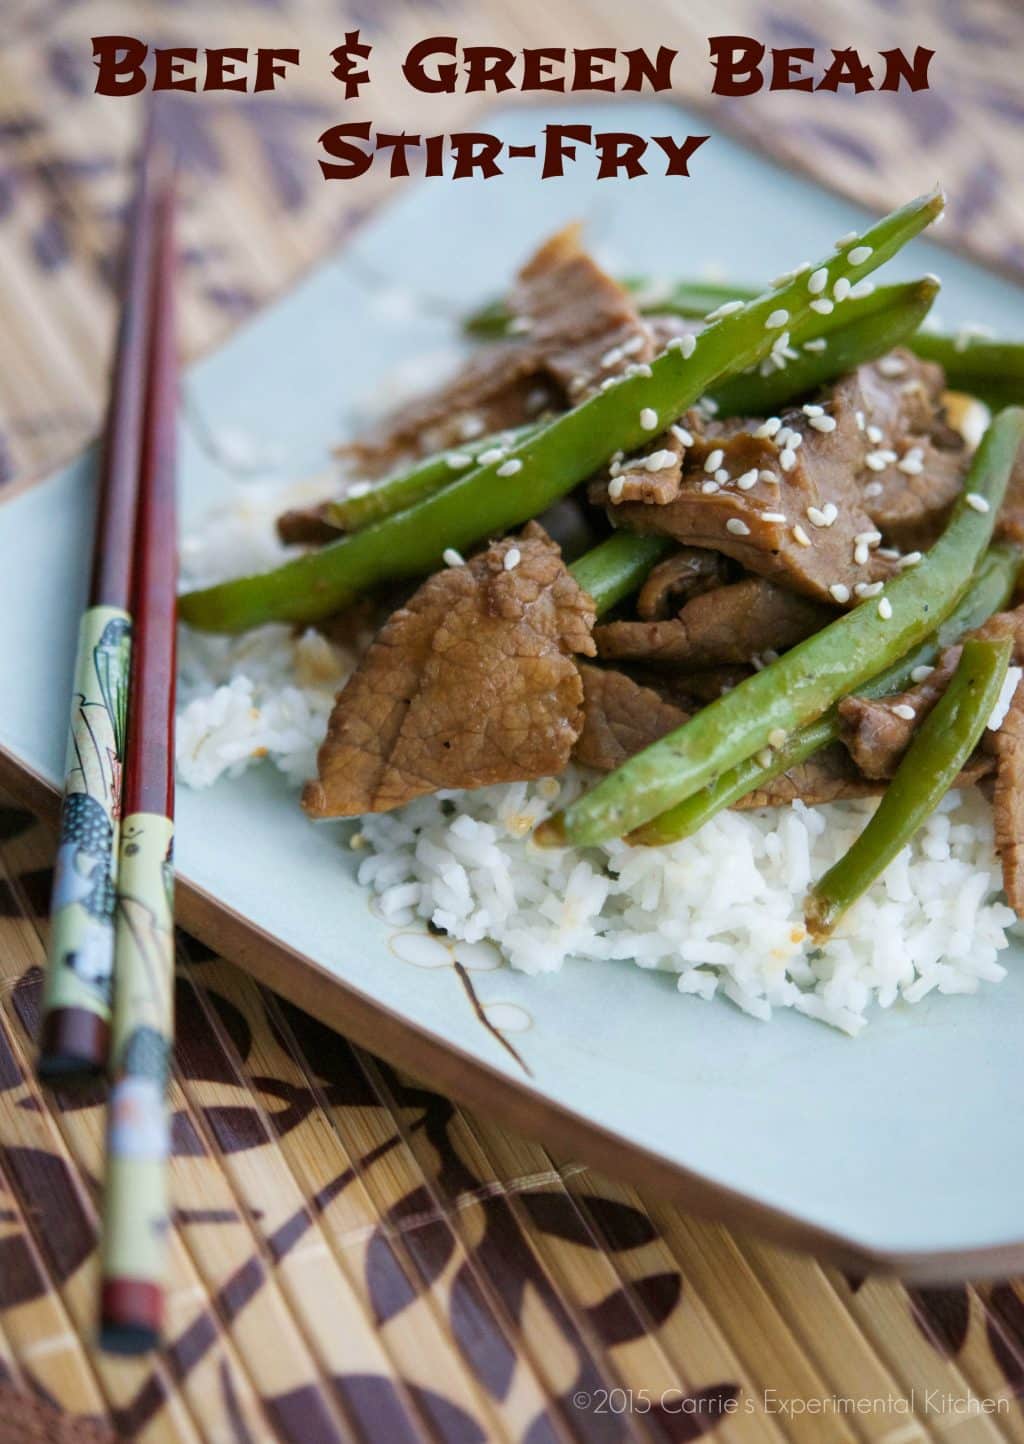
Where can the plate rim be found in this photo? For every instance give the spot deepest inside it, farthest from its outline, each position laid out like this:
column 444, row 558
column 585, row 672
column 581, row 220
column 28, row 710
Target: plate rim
column 513, row 1102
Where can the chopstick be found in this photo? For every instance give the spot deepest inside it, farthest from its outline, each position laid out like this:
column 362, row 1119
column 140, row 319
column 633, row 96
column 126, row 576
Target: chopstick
column 74, row 1031
column 135, row 1191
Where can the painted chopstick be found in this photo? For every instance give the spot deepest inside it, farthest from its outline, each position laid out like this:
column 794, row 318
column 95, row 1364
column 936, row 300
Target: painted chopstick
column 142, row 1023
column 75, row 1025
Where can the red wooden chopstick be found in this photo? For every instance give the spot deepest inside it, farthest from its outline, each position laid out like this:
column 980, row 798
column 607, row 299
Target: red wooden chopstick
column 76, row 1006
column 142, row 1023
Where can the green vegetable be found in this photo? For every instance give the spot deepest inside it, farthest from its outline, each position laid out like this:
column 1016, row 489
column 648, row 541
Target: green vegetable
column 868, row 330
column 551, row 461
column 992, row 370
column 941, row 746
column 805, row 682
column 870, row 327
column 394, row 493
column 991, row 589
column 617, row 566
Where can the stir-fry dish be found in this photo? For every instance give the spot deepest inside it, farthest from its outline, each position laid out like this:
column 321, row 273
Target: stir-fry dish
column 679, row 626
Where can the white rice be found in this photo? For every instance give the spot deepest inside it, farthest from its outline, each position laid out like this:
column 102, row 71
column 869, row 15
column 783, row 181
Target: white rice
column 722, row 910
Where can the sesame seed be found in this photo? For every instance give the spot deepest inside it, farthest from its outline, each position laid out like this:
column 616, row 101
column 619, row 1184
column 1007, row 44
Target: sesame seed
column 492, row 454
column 858, row 416
column 737, row 527
column 977, row 502
column 768, row 477
column 816, row 516
column 823, row 306
column 817, row 344
column 609, row 382
column 787, row 459
column 612, row 357
column 616, row 487
column 459, row 460
column 725, row 309
column 912, row 462
column 639, row 368
column 777, row 737
column 674, row 343
column 649, row 418
column 714, row 459
column 874, row 488
column 510, row 467
column 875, row 434
column 470, row 427
column 512, row 558
column 845, row 240
column 869, row 538
column 817, row 281
column 885, row 609
column 839, row 592
column 659, row 460
column 360, row 488
column 452, row 558
column 876, row 461
column 842, row 288
column 911, row 559
column 709, row 487
column 687, row 346
column 892, row 366
column 812, row 410
column 922, row 673
column 824, row 423
column 801, row 536
column 778, row 516
column 904, row 710
column 747, row 480
column 633, row 345
column 766, row 757
column 868, row 589
column 860, row 554
column 776, row 319
column 890, row 553
column 722, row 475
column 768, row 428
column 684, row 437
column 860, row 289
column 858, row 255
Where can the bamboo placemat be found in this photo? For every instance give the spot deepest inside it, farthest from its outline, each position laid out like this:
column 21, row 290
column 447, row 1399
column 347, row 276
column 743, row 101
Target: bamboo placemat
column 352, row 1256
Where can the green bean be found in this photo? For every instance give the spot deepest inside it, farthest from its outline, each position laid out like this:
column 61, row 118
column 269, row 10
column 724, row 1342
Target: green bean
column 991, row 370
column 990, row 591
column 940, row 747
column 487, row 501
column 805, row 682
column 359, row 507
column 617, row 566
column 868, row 331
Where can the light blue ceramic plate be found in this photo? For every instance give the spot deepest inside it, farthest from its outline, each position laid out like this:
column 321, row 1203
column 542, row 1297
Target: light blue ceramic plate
column 898, row 1147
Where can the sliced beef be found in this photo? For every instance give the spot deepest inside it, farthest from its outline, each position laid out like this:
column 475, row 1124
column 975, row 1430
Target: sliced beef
column 574, row 327
column 687, row 573
column 875, row 732
column 620, row 718
column 828, row 776
column 797, row 518
column 307, row 526
column 913, row 462
column 1007, row 744
column 473, row 682
column 731, row 624
column 654, row 478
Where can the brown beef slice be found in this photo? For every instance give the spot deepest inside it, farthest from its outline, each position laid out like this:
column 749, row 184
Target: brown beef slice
column 1007, row 745
column 620, row 718
column 731, row 624
column 473, row 682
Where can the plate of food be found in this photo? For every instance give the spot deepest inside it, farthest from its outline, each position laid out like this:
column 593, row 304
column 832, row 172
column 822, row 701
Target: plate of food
column 598, row 685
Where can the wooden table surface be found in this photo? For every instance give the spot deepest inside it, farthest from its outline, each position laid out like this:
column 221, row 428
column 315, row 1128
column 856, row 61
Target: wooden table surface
column 352, row 1256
